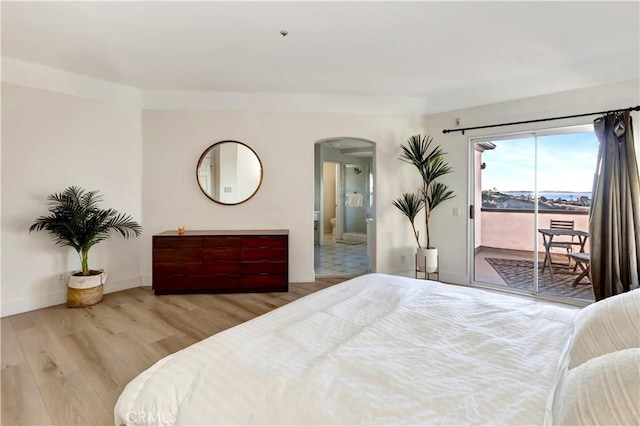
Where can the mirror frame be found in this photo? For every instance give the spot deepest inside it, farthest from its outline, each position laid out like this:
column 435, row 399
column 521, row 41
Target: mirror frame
column 204, row 154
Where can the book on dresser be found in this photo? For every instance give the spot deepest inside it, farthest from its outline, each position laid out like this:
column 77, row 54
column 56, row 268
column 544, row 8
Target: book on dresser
column 220, row 261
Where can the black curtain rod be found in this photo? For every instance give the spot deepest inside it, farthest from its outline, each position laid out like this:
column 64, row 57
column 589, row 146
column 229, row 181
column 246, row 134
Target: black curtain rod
column 636, row 108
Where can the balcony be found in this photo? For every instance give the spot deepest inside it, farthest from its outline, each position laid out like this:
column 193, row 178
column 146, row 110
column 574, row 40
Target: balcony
column 504, row 241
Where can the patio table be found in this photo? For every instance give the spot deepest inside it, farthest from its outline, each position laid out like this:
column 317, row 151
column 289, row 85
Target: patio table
column 547, row 237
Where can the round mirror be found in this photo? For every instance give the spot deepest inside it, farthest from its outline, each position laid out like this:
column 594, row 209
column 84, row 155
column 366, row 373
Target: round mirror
column 229, row 172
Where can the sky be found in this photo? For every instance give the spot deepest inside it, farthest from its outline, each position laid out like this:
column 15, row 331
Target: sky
column 566, row 163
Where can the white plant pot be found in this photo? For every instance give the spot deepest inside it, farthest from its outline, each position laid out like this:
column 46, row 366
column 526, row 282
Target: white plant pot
column 88, row 281
column 430, row 255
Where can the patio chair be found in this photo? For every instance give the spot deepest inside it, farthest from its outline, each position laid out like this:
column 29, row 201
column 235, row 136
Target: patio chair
column 583, row 260
column 560, row 243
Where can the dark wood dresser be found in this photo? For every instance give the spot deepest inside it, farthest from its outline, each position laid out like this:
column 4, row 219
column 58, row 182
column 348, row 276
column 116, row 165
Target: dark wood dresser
column 220, row 262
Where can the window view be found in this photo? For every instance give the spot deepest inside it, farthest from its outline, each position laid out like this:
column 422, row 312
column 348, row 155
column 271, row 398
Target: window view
column 511, row 175
column 565, row 167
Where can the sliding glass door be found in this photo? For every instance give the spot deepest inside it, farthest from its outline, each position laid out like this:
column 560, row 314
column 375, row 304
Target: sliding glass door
column 531, row 201
column 505, row 225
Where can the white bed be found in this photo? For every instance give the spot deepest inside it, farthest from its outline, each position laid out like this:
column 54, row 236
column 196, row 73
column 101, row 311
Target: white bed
column 377, row 349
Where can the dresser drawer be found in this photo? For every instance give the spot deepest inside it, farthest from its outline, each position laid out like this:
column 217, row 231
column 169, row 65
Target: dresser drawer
column 270, row 267
column 215, row 242
column 221, row 268
column 220, row 253
column 221, row 281
column 177, row 242
column 177, row 255
column 177, row 268
column 176, row 282
column 272, row 254
column 264, row 280
column 264, row 242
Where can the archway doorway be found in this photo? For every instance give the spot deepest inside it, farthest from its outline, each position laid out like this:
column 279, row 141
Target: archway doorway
column 344, row 199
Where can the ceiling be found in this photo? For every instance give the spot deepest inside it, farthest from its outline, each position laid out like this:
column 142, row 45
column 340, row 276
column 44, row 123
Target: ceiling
column 451, row 54
column 350, row 146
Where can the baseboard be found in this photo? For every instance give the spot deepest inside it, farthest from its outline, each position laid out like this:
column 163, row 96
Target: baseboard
column 451, row 278
column 301, row 277
column 123, row 284
column 26, row 304
column 409, row 273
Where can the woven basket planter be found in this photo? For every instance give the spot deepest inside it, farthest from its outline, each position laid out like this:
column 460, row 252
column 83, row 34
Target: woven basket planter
column 81, row 297
column 85, row 290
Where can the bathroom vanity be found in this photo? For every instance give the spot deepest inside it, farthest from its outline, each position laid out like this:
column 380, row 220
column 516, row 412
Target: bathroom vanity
column 244, row 261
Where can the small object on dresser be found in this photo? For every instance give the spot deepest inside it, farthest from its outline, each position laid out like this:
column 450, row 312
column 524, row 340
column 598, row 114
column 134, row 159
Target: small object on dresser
column 180, row 230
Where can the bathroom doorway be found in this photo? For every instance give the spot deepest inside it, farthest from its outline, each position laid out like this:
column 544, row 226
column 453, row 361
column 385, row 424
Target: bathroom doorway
column 344, row 231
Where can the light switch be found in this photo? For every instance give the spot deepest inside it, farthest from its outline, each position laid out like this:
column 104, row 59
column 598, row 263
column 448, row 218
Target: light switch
column 456, row 211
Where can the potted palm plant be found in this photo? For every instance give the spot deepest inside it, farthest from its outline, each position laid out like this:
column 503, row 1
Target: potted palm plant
column 77, row 221
column 431, row 165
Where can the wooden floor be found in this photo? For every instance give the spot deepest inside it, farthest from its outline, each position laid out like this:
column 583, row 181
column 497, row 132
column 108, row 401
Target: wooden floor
column 68, row 366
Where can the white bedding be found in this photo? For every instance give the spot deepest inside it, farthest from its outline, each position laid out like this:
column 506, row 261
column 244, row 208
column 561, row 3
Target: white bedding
column 377, row 349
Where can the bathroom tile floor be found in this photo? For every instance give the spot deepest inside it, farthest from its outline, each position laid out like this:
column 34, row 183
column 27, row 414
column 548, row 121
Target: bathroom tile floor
column 333, row 258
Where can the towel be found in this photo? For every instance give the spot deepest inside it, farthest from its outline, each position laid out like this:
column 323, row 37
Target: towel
column 354, row 200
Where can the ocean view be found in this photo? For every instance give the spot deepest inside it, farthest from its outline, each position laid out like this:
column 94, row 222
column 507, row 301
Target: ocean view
column 551, row 195
column 523, row 200
column 560, row 165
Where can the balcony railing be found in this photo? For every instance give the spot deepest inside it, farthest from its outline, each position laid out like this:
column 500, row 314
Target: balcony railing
column 515, row 229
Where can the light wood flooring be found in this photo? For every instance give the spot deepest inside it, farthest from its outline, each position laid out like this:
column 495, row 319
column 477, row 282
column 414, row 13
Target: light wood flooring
column 68, row 366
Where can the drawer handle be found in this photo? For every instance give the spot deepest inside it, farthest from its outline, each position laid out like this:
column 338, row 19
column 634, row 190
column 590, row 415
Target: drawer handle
column 263, row 273
column 264, row 260
column 264, row 247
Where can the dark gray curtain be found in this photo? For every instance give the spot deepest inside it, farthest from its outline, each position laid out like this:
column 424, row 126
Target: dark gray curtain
column 614, row 224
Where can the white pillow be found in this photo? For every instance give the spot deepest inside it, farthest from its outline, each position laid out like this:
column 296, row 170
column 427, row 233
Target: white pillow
column 603, row 391
column 606, row 326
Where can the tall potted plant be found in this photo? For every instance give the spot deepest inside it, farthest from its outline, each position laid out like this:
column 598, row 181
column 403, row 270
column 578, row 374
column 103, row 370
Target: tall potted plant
column 431, row 166
column 77, row 221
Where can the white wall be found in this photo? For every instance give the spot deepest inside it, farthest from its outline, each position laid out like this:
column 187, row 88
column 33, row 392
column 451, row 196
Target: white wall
column 144, row 164
column 174, row 140
column 49, row 142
